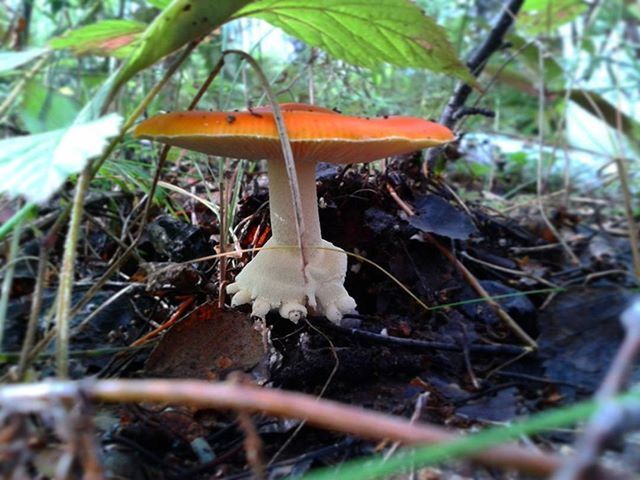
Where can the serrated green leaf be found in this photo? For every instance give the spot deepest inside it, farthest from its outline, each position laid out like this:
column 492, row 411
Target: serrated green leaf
column 108, row 37
column 543, row 16
column 364, row 32
column 45, row 109
column 35, row 166
column 11, row 60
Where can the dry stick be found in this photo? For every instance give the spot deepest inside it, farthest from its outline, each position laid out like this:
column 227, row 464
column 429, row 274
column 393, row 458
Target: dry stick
column 475, row 284
column 287, row 153
column 541, row 106
column 623, row 174
column 609, row 417
column 47, row 243
column 177, row 315
column 510, row 270
column 473, row 281
column 222, row 270
column 226, row 395
column 7, row 282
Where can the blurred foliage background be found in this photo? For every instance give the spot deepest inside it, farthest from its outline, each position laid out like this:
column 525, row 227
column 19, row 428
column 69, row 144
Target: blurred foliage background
column 564, row 88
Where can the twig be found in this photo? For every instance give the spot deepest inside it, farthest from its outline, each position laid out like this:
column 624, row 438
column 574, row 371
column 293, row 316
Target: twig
column 423, row 346
column 7, row 282
column 623, row 175
column 46, row 245
column 253, row 447
column 475, row 284
column 476, row 63
column 177, row 315
column 609, row 418
column 131, row 287
column 509, row 270
column 479, row 58
column 287, row 154
column 224, row 395
column 473, row 281
column 466, row 111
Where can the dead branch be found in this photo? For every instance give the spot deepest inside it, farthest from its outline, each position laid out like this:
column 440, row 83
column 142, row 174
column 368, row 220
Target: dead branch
column 227, row 395
column 476, row 63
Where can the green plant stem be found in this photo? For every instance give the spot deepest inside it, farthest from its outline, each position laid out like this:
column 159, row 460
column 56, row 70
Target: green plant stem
column 65, row 287
column 17, row 218
column 17, row 89
column 8, row 277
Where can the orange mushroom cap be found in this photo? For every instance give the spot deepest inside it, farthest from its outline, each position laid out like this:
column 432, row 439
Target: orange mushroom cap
column 316, row 134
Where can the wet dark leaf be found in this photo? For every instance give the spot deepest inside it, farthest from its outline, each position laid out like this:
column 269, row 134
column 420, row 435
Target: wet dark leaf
column 435, row 215
column 498, row 408
column 207, row 344
column 177, row 241
column 580, row 334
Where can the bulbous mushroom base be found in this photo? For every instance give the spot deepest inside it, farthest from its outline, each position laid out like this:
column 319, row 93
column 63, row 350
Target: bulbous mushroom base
column 273, row 280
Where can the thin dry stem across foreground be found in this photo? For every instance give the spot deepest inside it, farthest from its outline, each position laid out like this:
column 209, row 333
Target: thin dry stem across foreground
column 228, row 395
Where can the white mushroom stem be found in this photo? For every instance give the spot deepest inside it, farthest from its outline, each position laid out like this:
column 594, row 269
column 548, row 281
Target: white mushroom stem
column 274, row 278
column 283, row 224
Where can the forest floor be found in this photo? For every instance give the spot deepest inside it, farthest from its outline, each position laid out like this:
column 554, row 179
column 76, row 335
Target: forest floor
column 453, row 361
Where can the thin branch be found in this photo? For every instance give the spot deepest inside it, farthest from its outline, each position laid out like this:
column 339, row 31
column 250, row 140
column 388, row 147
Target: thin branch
column 287, row 154
column 226, row 395
column 478, row 59
column 476, row 63
column 7, row 282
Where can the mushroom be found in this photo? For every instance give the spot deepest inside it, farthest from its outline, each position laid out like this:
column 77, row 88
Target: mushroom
column 274, row 278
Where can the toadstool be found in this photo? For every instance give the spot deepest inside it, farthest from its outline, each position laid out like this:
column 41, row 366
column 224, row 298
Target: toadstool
column 274, row 278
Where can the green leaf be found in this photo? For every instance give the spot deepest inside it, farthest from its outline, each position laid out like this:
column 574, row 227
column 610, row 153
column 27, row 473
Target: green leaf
column 364, row 32
column 543, row 16
column 35, row 166
column 529, row 53
column 46, row 109
column 180, row 23
column 11, row 60
column 159, row 3
column 108, row 37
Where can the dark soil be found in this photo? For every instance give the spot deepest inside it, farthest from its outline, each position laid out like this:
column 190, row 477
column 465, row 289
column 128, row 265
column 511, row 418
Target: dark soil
column 458, row 351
